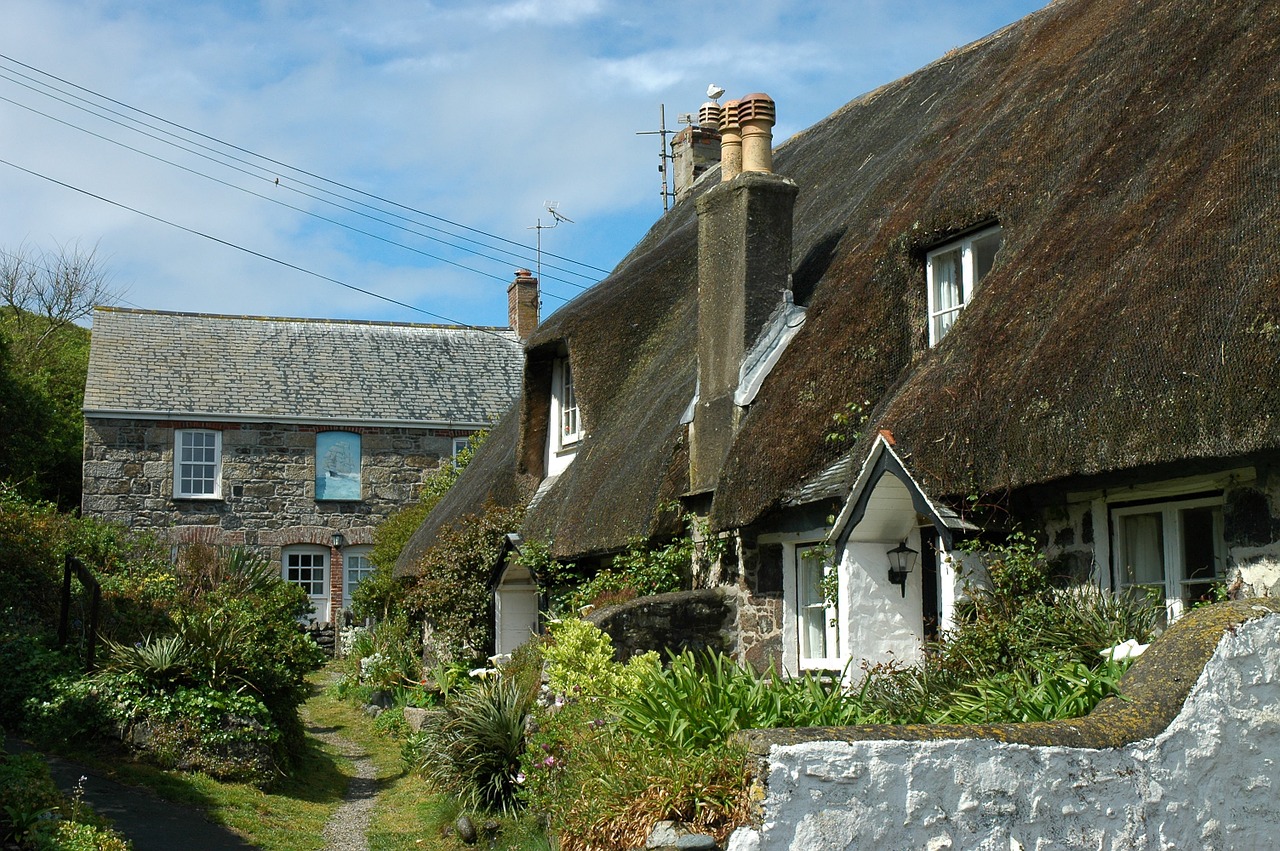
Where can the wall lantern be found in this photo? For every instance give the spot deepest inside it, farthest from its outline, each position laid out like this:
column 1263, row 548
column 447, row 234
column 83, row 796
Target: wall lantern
column 901, row 559
column 339, row 540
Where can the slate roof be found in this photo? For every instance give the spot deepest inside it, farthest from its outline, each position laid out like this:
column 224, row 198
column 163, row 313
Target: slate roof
column 210, row 367
column 1131, row 153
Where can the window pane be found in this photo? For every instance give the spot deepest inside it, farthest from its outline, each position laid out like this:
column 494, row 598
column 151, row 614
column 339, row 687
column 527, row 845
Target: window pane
column 984, row 255
column 817, row 636
column 948, row 281
column 1200, row 551
column 1143, row 549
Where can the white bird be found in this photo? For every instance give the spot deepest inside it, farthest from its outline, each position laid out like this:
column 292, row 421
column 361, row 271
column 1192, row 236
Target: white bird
column 715, row 92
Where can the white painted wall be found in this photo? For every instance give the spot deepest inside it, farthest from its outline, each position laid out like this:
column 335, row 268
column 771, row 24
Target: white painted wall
column 1209, row 781
column 880, row 624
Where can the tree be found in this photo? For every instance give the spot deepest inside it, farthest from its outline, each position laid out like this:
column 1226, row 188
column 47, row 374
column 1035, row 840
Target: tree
column 43, row 292
column 44, row 358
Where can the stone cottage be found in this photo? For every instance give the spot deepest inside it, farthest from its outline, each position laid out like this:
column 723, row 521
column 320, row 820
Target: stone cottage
column 291, row 437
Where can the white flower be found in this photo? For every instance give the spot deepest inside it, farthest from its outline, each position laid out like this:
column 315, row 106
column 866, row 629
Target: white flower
column 1127, row 649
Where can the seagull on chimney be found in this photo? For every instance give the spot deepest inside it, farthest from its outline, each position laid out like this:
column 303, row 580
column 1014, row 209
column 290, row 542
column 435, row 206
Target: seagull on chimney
column 715, row 92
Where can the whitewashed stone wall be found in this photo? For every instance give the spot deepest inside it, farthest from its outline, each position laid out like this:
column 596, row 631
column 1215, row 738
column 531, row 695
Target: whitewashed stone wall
column 1209, row 781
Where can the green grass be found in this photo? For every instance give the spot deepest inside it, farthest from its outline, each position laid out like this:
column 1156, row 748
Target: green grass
column 290, row 815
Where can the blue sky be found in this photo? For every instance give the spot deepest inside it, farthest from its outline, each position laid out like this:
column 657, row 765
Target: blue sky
column 467, row 113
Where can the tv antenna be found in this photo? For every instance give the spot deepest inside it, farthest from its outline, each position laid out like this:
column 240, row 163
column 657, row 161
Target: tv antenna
column 552, row 207
column 663, row 156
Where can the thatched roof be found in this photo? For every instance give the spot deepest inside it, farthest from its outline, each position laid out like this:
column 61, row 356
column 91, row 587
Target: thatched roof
column 1130, row 151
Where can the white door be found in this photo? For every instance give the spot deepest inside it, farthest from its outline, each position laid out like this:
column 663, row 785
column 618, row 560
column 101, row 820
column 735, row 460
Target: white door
column 307, row 566
column 515, row 609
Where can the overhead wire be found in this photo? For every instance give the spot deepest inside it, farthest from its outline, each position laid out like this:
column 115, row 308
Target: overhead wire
column 272, row 161
column 285, row 204
column 258, row 254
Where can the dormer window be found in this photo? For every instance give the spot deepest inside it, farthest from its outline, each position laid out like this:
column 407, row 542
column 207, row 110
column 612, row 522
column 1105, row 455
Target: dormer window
column 955, row 271
column 570, row 424
column 565, row 425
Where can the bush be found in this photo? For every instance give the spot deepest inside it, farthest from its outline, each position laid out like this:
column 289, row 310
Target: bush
column 580, row 662
column 472, row 746
column 31, row 666
column 451, row 591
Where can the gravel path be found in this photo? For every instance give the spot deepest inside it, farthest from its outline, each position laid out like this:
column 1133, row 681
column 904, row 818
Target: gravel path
column 348, row 826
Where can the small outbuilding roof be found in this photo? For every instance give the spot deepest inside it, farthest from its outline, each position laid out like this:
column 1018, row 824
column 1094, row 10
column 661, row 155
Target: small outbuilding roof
column 146, row 363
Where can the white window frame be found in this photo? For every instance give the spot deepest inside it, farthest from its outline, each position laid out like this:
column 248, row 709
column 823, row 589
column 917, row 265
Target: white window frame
column 567, row 418
column 807, row 608
column 794, row 660
column 942, row 316
column 1174, row 582
column 362, row 568
column 305, row 558
column 459, row 444
column 183, row 459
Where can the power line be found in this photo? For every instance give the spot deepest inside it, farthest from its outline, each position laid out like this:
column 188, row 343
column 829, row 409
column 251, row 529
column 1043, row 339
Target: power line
column 285, row 204
column 267, row 179
column 290, row 167
column 254, row 253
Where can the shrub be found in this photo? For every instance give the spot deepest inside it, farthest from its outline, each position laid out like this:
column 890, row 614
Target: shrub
column 580, row 662
column 451, row 591
column 30, row 667
column 472, row 746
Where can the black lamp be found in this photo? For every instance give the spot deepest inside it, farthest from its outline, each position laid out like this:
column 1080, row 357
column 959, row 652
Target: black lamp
column 901, row 559
column 339, row 540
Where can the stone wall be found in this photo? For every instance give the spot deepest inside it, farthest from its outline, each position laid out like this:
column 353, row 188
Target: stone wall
column 268, row 481
column 683, row 620
column 1188, row 761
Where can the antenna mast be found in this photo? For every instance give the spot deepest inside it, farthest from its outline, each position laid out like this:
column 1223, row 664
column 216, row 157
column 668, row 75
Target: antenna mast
column 552, row 208
column 663, row 156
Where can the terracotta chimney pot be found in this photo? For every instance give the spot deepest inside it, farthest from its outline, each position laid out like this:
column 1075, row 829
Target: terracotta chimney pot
column 757, row 114
column 730, row 142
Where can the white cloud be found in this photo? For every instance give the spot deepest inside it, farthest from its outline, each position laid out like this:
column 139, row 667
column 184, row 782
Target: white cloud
column 471, row 112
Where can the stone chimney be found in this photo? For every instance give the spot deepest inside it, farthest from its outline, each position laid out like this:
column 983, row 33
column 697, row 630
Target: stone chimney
column 696, row 148
column 522, row 303
column 744, row 269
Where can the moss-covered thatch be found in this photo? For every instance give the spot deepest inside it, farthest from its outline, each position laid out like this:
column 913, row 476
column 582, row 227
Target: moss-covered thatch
column 1131, row 152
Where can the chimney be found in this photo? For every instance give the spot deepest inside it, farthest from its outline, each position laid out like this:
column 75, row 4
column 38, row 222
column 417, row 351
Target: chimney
column 522, row 303
column 730, row 142
column 696, row 148
column 744, row 269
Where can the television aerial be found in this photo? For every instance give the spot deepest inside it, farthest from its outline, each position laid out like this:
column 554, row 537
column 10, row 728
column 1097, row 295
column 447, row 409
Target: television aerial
column 552, row 207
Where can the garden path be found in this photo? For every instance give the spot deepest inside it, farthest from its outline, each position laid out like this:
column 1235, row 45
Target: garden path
column 347, row 829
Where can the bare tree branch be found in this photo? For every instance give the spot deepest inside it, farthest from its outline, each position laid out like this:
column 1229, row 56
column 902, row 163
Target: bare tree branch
column 43, row 291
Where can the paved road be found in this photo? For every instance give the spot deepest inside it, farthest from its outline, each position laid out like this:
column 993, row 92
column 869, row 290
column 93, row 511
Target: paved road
column 152, row 823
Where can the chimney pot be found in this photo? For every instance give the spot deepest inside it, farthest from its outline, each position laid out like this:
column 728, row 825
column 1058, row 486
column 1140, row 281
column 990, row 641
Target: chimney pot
column 730, row 142
column 757, row 114
column 709, row 115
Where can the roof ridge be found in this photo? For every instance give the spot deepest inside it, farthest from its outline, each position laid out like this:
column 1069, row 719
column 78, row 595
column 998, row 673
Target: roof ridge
column 317, row 320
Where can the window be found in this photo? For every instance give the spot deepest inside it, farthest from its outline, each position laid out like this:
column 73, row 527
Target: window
column 564, row 428
column 1176, row 549
column 197, row 464
column 955, row 271
column 358, row 568
column 337, row 465
column 570, row 425
column 459, row 444
column 307, row 567
column 817, row 623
